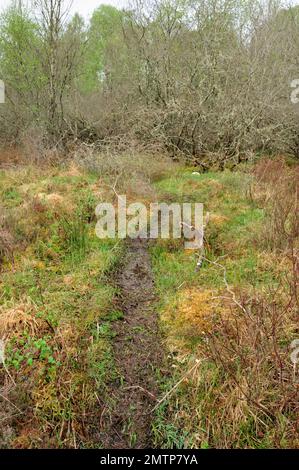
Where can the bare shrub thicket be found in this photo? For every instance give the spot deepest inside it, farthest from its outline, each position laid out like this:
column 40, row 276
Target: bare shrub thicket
column 204, row 78
column 208, row 78
column 131, row 173
column 41, row 48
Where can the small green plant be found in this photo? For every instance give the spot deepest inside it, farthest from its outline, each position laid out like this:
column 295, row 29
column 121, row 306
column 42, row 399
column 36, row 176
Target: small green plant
column 75, row 235
column 115, row 315
column 12, row 196
column 26, row 350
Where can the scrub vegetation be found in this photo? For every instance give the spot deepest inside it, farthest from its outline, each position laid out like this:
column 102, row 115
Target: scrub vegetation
column 132, row 343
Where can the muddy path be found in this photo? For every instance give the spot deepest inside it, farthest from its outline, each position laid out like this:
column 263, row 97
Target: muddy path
column 137, row 353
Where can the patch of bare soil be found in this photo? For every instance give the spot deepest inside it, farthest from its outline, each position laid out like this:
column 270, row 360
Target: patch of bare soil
column 138, row 354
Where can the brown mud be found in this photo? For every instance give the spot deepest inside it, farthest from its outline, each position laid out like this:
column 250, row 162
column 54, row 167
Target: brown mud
column 138, row 354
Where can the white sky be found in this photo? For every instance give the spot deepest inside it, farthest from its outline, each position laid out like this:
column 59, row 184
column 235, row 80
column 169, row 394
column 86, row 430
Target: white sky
column 84, row 7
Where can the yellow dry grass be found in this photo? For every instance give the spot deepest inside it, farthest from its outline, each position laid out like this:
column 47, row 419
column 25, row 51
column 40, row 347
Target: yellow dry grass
column 195, row 314
column 217, row 219
column 73, row 170
column 21, row 317
column 199, row 309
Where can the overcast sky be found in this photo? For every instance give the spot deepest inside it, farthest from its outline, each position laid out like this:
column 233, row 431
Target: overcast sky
column 86, row 7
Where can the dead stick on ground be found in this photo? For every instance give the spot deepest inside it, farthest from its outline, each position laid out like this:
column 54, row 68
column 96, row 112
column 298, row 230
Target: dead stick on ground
column 11, row 403
column 229, row 290
column 194, row 367
column 142, row 389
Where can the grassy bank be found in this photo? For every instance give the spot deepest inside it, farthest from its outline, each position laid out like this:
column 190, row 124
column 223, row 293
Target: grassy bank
column 56, row 308
column 228, row 328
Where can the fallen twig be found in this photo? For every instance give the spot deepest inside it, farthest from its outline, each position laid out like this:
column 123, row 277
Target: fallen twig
column 142, row 389
column 194, row 367
column 229, row 290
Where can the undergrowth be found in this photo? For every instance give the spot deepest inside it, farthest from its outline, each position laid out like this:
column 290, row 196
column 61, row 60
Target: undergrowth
column 56, row 299
column 229, row 327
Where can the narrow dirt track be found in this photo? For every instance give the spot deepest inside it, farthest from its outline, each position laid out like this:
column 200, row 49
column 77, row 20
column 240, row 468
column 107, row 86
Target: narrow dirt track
column 137, row 352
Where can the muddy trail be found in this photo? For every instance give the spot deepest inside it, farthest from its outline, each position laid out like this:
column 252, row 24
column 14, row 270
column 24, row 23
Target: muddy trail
column 137, row 353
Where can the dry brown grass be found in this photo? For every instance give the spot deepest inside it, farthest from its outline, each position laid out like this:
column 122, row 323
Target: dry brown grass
column 19, row 318
column 11, row 156
column 243, row 393
column 276, row 189
column 252, row 351
column 233, row 344
column 257, row 385
column 197, row 312
column 124, row 166
column 6, row 244
column 7, row 238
